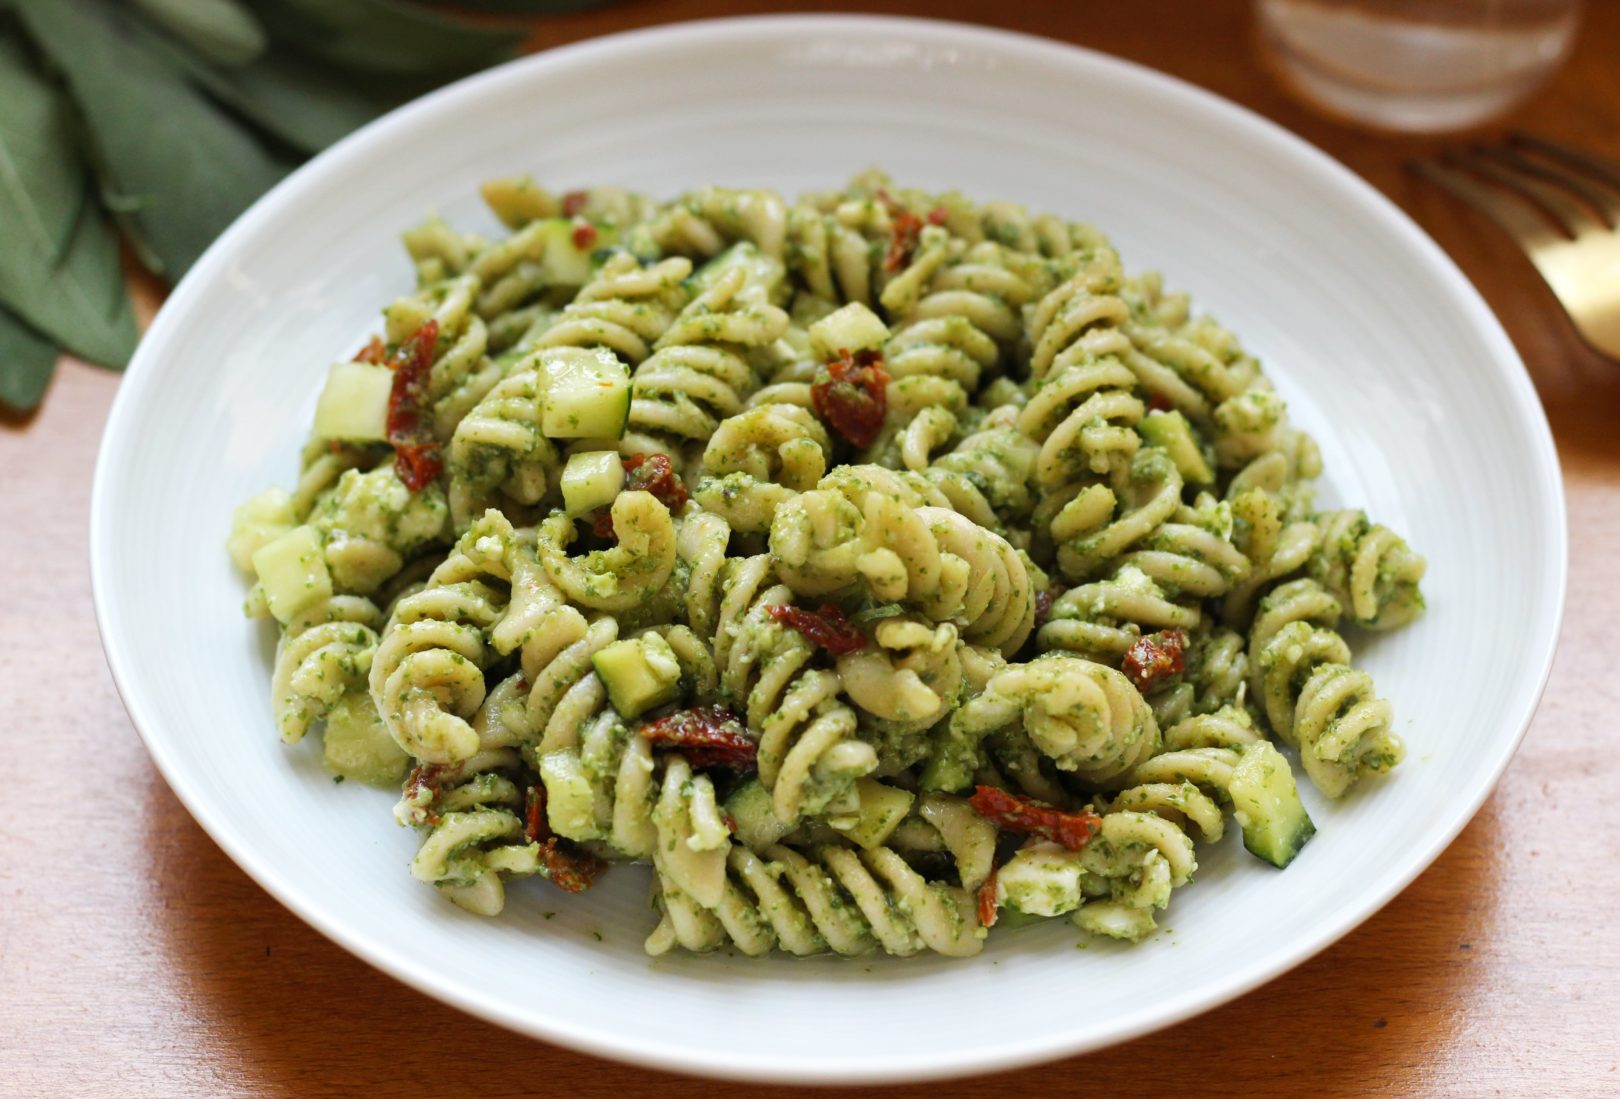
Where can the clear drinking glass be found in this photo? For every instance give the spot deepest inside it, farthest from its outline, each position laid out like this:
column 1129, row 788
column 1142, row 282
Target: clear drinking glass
column 1416, row 65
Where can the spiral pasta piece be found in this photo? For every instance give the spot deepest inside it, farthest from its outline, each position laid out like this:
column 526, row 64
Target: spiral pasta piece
column 1083, row 716
column 809, row 754
column 699, row 373
column 620, row 578
column 1093, row 523
column 759, row 459
column 325, row 652
column 427, row 676
column 371, row 524
column 499, row 456
column 1113, row 885
column 625, row 308
column 1103, row 619
column 819, row 899
column 1313, row 699
column 1369, row 569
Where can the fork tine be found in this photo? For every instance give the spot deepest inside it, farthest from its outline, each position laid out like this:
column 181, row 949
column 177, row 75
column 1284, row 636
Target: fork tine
column 1606, row 171
column 1595, row 196
column 1514, row 215
column 1570, row 215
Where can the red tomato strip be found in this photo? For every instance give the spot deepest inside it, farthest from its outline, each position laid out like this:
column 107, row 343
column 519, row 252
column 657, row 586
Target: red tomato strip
column 416, row 452
column 565, row 864
column 708, row 736
column 826, row 626
column 904, row 228
column 1155, row 658
column 852, row 395
column 375, row 352
column 1020, row 814
column 573, row 202
column 653, row 473
column 987, row 900
column 1044, row 601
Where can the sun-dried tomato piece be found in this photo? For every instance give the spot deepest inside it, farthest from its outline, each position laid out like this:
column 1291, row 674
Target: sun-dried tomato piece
column 852, row 395
column 826, row 626
column 422, row 789
column 1035, row 818
column 655, row 473
column 573, row 202
column 1160, row 403
column 1044, row 601
column 937, row 215
column 1155, row 658
column 565, row 864
column 375, row 352
column 416, row 452
column 988, row 905
column 904, row 229
column 708, row 736
column 584, row 235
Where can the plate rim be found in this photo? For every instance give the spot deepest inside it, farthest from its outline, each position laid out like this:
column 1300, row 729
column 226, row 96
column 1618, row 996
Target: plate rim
column 709, row 32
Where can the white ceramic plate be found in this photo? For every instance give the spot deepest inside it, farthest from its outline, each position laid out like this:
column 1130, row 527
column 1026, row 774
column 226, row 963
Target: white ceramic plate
column 1424, row 413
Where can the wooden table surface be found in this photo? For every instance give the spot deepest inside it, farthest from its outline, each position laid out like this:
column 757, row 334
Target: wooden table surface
column 136, row 959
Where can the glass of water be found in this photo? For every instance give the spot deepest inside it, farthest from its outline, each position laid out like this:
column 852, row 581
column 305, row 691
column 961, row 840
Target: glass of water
column 1416, row 65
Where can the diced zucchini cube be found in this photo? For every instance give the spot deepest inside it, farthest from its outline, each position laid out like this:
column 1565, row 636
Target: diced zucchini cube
column 358, row 745
column 882, row 808
column 354, row 403
column 751, row 808
column 570, row 798
column 292, row 572
column 259, row 522
column 564, row 262
column 639, row 673
column 1265, row 802
column 591, row 480
column 587, row 393
column 852, row 328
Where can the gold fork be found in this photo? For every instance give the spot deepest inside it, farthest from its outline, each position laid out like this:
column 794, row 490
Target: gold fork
column 1563, row 207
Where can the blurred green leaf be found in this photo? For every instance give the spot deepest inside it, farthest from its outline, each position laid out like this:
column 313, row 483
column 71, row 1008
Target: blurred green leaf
column 59, row 264
column 175, row 167
column 222, row 31
column 384, row 37
column 301, row 102
column 27, row 361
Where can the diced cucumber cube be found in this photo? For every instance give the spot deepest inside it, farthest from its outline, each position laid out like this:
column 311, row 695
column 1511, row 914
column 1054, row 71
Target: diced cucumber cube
column 591, row 480
column 358, row 745
column 880, row 812
column 292, row 572
column 259, row 522
column 758, row 826
column 639, row 673
column 587, row 393
column 1265, row 802
column 570, row 798
column 1170, row 430
column 354, row 403
column 564, row 262
column 852, row 328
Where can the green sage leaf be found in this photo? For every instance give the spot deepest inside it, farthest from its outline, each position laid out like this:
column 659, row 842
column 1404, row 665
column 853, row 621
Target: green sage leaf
column 175, row 167
column 384, row 37
column 27, row 360
column 223, row 31
column 59, row 263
